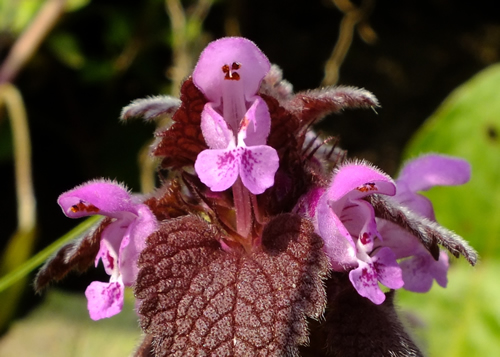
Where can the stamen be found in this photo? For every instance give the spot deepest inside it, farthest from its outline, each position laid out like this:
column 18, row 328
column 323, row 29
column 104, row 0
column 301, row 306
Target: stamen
column 81, row 206
column 230, row 75
column 369, row 186
column 244, row 124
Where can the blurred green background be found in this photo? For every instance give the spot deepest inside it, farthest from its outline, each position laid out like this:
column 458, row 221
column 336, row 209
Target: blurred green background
column 423, row 59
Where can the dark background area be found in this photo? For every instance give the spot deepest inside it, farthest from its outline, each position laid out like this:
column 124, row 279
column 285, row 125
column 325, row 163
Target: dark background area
column 424, row 50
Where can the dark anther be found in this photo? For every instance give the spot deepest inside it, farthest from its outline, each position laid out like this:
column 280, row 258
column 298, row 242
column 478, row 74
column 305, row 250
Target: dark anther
column 230, row 75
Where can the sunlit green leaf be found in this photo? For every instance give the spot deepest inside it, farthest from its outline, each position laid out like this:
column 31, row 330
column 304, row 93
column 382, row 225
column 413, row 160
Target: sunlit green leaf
column 462, row 320
column 16, row 15
column 468, row 125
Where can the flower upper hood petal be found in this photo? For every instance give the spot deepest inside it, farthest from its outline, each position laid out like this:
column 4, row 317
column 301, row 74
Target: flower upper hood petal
column 96, row 197
column 359, row 180
column 210, row 70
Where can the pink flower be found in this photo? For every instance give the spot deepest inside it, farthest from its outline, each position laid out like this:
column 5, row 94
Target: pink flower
column 421, row 174
column 121, row 241
column 235, row 122
column 347, row 224
column 425, row 172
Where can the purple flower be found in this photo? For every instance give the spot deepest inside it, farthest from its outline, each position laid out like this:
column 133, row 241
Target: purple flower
column 347, row 224
column 420, row 270
column 235, row 122
column 421, row 174
column 425, row 172
column 121, row 241
column 419, row 267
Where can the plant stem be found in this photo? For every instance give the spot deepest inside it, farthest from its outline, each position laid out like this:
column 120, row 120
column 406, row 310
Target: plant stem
column 243, row 207
column 26, row 214
column 30, row 40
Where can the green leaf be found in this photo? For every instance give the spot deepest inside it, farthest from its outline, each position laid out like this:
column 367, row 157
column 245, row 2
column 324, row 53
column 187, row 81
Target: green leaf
column 16, row 15
column 462, row 320
column 467, row 124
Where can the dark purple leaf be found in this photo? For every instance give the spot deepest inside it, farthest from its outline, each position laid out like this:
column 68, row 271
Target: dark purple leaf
column 145, row 349
column 197, row 299
column 355, row 326
column 313, row 105
column 181, row 143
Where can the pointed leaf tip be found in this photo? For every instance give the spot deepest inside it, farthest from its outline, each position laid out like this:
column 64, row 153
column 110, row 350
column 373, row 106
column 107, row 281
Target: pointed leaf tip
column 313, row 105
column 429, row 233
column 150, row 108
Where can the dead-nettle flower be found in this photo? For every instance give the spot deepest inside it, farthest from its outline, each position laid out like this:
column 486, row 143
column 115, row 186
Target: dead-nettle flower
column 421, row 174
column 235, row 122
column 121, row 241
column 347, row 224
column 261, row 224
column 367, row 246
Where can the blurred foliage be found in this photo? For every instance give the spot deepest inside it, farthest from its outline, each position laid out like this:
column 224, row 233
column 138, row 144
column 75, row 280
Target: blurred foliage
column 67, row 49
column 16, row 15
column 462, row 320
column 5, row 141
column 467, row 125
column 18, row 251
column 20, row 246
column 62, row 327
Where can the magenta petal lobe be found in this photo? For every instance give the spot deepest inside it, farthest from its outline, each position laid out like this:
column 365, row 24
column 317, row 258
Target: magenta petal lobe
column 218, row 169
column 432, row 170
column 133, row 244
column 258, row 167
column 215, row 130
column 104, row 299
column 259, row 123
column 420, row 270
column 364, row 279
column 339, row 245
column 388, row 271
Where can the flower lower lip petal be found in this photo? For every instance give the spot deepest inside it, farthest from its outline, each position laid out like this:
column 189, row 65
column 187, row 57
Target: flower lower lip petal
column 218, row 169
column 258, row 167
